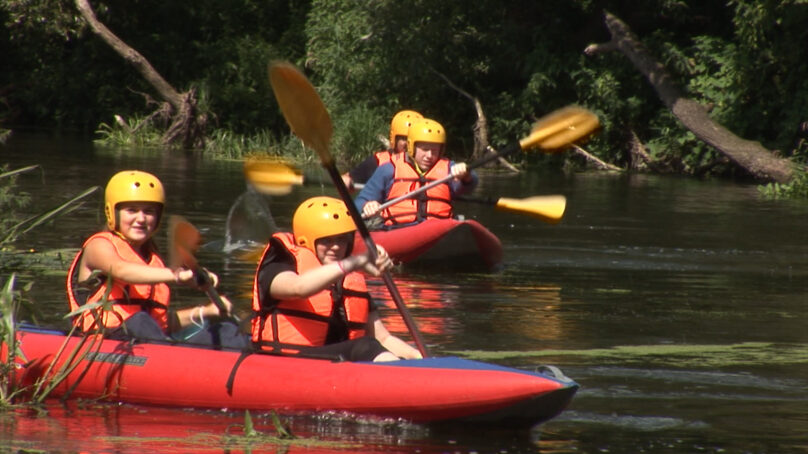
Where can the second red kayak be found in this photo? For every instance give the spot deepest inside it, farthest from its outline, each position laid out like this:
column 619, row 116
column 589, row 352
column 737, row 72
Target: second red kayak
column 440, row 244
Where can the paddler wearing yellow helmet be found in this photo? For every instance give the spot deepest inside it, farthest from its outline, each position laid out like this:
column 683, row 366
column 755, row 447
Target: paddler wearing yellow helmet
column 122, row 264
column 399, row 128
column 424, row 162
column 309, row 295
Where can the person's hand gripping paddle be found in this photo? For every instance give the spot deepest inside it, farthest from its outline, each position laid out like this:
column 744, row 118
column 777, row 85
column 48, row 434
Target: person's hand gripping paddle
column 184, row 241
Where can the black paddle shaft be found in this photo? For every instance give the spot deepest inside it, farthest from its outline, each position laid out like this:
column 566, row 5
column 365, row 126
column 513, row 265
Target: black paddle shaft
column 203, row 280
column 371, row 246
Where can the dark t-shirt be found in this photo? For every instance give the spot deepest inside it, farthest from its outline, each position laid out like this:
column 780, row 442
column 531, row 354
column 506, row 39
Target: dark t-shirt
column 276, row 261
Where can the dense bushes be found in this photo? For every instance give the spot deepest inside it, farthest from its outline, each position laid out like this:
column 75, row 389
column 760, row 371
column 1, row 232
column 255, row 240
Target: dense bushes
column 522, row 59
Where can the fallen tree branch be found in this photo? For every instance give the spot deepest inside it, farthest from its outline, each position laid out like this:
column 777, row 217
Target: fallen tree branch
column 480, row 128
column 597, row 162
column 186, row 125
column 759, row 162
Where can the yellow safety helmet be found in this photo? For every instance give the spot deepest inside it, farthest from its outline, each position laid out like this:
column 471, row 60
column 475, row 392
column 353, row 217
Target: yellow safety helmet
column 400, row 125
column 425, row 130
column 320, row 217
column 131, row 186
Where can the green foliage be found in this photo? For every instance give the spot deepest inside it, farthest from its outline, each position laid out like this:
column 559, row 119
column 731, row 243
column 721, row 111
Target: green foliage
column 11, row 227
column 395, row 55
column 228, row 145
column 65, row 77
column 356, row 132
column 49, row 17
column 11, row 200
column 797, row 188
column 11, row 300
column 134, row 132
column 520, row 59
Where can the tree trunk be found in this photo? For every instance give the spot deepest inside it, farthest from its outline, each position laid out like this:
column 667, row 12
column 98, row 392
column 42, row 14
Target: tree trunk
column 761, row 163
column 187, row 126
column 481, row 144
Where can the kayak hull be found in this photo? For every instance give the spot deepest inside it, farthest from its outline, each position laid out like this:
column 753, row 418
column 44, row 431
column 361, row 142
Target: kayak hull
column 440, row 244
column 428, row 390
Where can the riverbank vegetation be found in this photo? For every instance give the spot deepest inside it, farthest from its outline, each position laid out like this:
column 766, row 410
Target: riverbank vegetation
column 14, row 304
column 661, row 75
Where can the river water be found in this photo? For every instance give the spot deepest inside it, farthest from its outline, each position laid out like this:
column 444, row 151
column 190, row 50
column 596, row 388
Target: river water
column 680, row 306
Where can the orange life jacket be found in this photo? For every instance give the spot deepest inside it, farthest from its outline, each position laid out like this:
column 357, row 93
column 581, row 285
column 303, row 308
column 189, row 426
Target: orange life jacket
column 436, row 202
column 383, row 157
column 306, row 322
column 127, row 299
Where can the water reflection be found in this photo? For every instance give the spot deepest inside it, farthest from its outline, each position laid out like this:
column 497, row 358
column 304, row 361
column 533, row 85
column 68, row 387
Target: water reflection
column 136, row 429
column 432, row 306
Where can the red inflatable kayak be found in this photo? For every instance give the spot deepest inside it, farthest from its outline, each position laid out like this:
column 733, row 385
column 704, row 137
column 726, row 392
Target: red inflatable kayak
column 440, row 243
column 427, row 390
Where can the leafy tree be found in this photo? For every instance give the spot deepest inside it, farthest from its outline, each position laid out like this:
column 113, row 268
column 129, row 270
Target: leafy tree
column 369, row 59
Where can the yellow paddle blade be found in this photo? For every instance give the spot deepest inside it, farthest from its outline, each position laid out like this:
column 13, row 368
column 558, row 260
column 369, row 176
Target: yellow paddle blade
column 548, row 208
column 302, row 108
column 271, row 176
column 252, row 255
column 183, row 240
column 561, row 128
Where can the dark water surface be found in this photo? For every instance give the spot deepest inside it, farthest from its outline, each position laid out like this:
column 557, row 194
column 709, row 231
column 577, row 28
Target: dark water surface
column 680, row 306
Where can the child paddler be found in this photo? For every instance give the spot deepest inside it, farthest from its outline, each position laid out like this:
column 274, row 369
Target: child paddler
column 399, row 128
column 423, row 163
column 310, row 297
column 134, row 203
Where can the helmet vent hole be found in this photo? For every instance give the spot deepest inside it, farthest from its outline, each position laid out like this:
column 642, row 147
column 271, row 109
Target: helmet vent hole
column 137, row 184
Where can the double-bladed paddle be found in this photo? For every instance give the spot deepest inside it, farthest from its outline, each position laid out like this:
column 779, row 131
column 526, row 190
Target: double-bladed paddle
column 274, row 176
column 551, row 133
column 548, row 208
column 184, row 240
column 309, row 120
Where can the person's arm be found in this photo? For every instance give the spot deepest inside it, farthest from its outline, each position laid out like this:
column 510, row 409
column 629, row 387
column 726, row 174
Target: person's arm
column 392, row 343
column 99, row 254
column 464, row 182
column 375, row 190
column 290, row 285
column 198, row 314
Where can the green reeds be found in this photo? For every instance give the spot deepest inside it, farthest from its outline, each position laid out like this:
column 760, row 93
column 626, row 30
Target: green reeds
column 32, row 222
column 10, row 198
column 15, row 388
column 13, row 363
column 10, row 301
